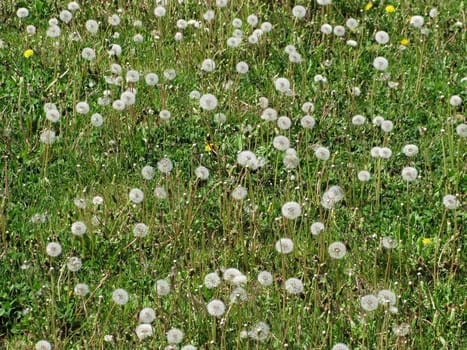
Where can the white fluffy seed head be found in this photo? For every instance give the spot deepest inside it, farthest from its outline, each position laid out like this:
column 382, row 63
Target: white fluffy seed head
column 284, row 246
column 294, row 286
column 216, row 308
column 291, row 210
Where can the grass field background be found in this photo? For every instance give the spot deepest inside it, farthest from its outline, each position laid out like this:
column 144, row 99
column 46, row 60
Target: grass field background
column 233, row 175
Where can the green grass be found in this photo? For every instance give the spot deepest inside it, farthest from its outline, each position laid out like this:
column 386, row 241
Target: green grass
column 199, row 228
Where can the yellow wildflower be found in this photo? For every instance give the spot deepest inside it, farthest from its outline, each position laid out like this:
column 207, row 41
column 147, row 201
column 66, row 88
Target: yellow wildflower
column 405, row 42
column 28, row 53
column 368, row 6
column 209, row 147
column 390, row 9
column 426, row 241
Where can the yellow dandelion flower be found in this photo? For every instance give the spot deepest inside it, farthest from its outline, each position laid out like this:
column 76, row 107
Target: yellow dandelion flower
column 209, row 147
column 426, row 241
column 405, row 42
column 390, row 9
column 368, row 6
column 28, row 53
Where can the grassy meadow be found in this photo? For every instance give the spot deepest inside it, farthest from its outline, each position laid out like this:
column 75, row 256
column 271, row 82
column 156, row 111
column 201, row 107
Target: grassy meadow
column 233, row 174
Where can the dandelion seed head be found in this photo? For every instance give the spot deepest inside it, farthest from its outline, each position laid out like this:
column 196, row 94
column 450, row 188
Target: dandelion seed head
column 308, row 122
column 339, row 31
column 65, row 16
column 97, row 120
column 140, row 230
column 252, row 20
column 291, row 210
column 82, row 107
column 284, row 246
column 265, row 278
column 364, row 175
column 409, row 174
column 410, row 150
column 340, row 346
column 238, row 295
column 369, row 302
column 120, row 296
column 78, row 228
column 269, row 114
column 382, row 37
column 208, row 102
column 317, row 228
column 322, row 153
column 208, row 65
column 174, row 336
column 401, row 330
column 202, row 173
column 389, row 243
column 259, row 331
column 143, row 331
column 165, row 165
column 160, row 193
column 239, row 193
column 53, row 249
column 74, row 264
column 92, row 26
column 387, row 126
column 282, row 84
column 216, row 308
column 387, row 297
column 455, row 100
column 43, row 345
column 326, row 29
column 281, row 143
column 380, row 63
column 81, row 289
column 294, row 286
column 450, row 202
column 212, row 280
column 337, row 250
column 417, row 21
column 147, row 172
column 299, row 11
column 351, row 23
column 162, row 287
column 147, row 315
